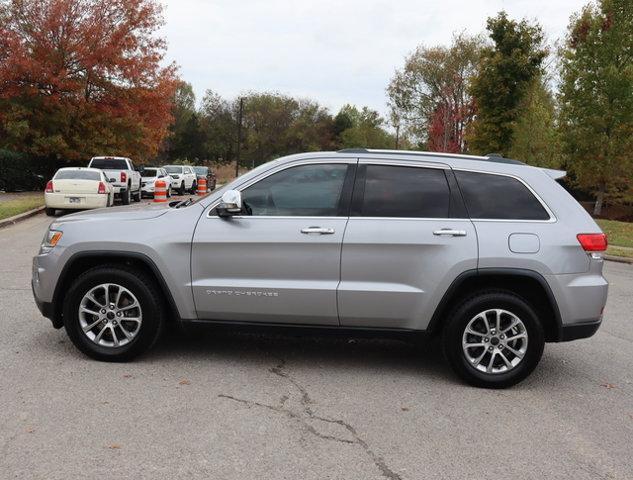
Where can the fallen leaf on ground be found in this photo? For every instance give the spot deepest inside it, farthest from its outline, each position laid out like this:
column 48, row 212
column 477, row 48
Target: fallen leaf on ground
column 127, row 375
column 114, row 446
column 184, row 382
column 608, row 385
column 404, row 409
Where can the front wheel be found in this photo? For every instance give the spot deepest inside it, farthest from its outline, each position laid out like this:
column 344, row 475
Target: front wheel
column 50, row 211
column 113, row 313
column 493, row 339
column 181, row 190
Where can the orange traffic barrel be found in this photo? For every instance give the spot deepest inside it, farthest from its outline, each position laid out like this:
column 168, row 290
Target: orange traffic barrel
column 202, row 186
column 160, row 191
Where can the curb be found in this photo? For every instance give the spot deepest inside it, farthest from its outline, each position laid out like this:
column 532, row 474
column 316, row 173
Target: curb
column 613, row 258
column 22, row 216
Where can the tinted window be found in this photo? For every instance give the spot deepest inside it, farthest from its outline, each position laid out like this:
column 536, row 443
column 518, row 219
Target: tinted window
column 150, row 172
column 201, row 170
column 109, row 163
column 173, row 169
column 307, row 190
column 499, row 197
column 405, row 192
column 77, row 175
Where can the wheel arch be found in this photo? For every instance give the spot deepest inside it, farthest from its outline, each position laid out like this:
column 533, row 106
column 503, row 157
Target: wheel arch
column 528, row 284
column 82, row 261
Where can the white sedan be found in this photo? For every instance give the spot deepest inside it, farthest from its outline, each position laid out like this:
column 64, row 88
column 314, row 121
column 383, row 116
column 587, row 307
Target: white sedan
column 78, row 189
column 150, row 175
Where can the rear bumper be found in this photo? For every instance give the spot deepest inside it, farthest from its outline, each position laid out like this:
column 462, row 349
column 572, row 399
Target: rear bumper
column 579, row 330
column 86, row 200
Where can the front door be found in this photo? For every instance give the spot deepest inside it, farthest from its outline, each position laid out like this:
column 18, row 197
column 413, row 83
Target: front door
column 407, row 239
column 279, row 260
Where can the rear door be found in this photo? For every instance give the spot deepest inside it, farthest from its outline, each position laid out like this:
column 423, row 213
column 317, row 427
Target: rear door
column 279, row 261
column 407, row 239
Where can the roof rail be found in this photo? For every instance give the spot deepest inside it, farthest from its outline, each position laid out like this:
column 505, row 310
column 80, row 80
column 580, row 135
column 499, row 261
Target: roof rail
column 491, row 157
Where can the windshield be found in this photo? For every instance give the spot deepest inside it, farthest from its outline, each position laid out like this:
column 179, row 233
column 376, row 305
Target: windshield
column 170, row 169
column 77, row 175
column 201, row 170
column 150, row 172
column 109, row 163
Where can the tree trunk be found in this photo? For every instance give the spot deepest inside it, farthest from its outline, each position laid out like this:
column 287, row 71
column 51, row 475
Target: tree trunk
column 597, row 208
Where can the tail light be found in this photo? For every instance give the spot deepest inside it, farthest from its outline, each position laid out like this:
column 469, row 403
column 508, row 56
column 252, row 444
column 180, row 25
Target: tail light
column 593, row 242
column 49, row 187
column 123, row 177
column 102, row 188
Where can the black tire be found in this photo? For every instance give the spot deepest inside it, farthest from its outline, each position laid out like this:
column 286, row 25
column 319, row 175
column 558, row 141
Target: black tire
column 126, row 197
column 181, row 190
column 169, row 192
column 149, row 297
column 137, row 196
column 461, row 316
column 50, row 211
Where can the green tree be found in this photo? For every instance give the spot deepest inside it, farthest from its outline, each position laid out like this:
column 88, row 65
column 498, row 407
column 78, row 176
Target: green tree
column 535, row 138
column 219, row 128
column 596, row 97
column 507, row 69
column 185, row 128
column 436, row 79
column 366, row 131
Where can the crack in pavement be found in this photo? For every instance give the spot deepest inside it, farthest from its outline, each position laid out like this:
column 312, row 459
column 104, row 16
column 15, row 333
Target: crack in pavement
column 309, row 414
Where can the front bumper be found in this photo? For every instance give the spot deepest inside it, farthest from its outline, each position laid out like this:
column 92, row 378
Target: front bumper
column 46, row 308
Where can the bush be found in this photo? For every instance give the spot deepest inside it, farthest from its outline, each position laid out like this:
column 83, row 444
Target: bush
column 19, row 173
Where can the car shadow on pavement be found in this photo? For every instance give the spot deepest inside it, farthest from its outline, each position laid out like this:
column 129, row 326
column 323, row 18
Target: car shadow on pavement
column 419, row 355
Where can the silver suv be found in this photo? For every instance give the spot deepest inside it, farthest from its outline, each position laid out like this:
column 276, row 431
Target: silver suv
column 492, row 255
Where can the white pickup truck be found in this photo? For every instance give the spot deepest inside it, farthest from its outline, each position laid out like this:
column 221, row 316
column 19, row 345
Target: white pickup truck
column 123, row 176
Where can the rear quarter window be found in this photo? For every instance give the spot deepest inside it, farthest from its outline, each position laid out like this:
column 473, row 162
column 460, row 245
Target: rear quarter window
column 498, row 197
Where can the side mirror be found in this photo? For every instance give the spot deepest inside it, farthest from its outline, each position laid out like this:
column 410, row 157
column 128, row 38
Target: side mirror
column 231, row 204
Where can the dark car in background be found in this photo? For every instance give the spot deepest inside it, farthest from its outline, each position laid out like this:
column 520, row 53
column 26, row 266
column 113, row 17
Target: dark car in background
column 206, row 172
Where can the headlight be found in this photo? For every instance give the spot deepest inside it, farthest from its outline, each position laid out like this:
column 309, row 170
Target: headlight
column 50, row 240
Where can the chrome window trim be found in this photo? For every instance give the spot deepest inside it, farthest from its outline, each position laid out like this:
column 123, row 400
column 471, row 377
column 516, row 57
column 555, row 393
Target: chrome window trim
column 280, row 168
column 552, row 217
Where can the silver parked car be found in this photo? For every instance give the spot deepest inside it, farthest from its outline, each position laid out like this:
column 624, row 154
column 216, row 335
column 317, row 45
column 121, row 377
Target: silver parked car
column 491, row 254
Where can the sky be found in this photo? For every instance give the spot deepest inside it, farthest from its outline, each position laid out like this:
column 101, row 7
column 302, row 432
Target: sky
column 335, row 52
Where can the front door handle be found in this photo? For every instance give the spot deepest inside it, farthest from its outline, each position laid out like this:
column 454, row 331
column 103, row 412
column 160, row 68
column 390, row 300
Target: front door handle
column 319, row 230
column 451, row 232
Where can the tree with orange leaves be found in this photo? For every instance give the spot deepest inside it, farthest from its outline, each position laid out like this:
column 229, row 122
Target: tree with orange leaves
column 83, row 77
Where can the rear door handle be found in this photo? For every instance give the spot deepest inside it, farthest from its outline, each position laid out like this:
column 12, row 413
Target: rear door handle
column 451, row 232
column 319, row 230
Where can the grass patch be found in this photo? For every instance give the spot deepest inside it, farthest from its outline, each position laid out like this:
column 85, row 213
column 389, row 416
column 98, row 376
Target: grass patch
column 620, row 252
column 620, row 234
column 21, row 203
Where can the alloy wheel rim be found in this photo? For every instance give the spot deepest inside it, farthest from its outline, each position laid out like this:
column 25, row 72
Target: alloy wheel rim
column 110, row 315
column 495, row 341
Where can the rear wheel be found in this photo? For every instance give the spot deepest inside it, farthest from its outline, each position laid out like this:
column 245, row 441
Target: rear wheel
column 137, row 196
column 493, row 339
column 50, row 211
column 126, row 197
column 113, row 313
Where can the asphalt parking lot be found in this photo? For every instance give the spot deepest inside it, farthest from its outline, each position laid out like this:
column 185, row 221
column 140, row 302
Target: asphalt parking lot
column 229, row 405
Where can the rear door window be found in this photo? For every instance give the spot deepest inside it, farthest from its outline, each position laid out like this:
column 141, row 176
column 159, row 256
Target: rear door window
column 499, row 197
column 405, row 192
